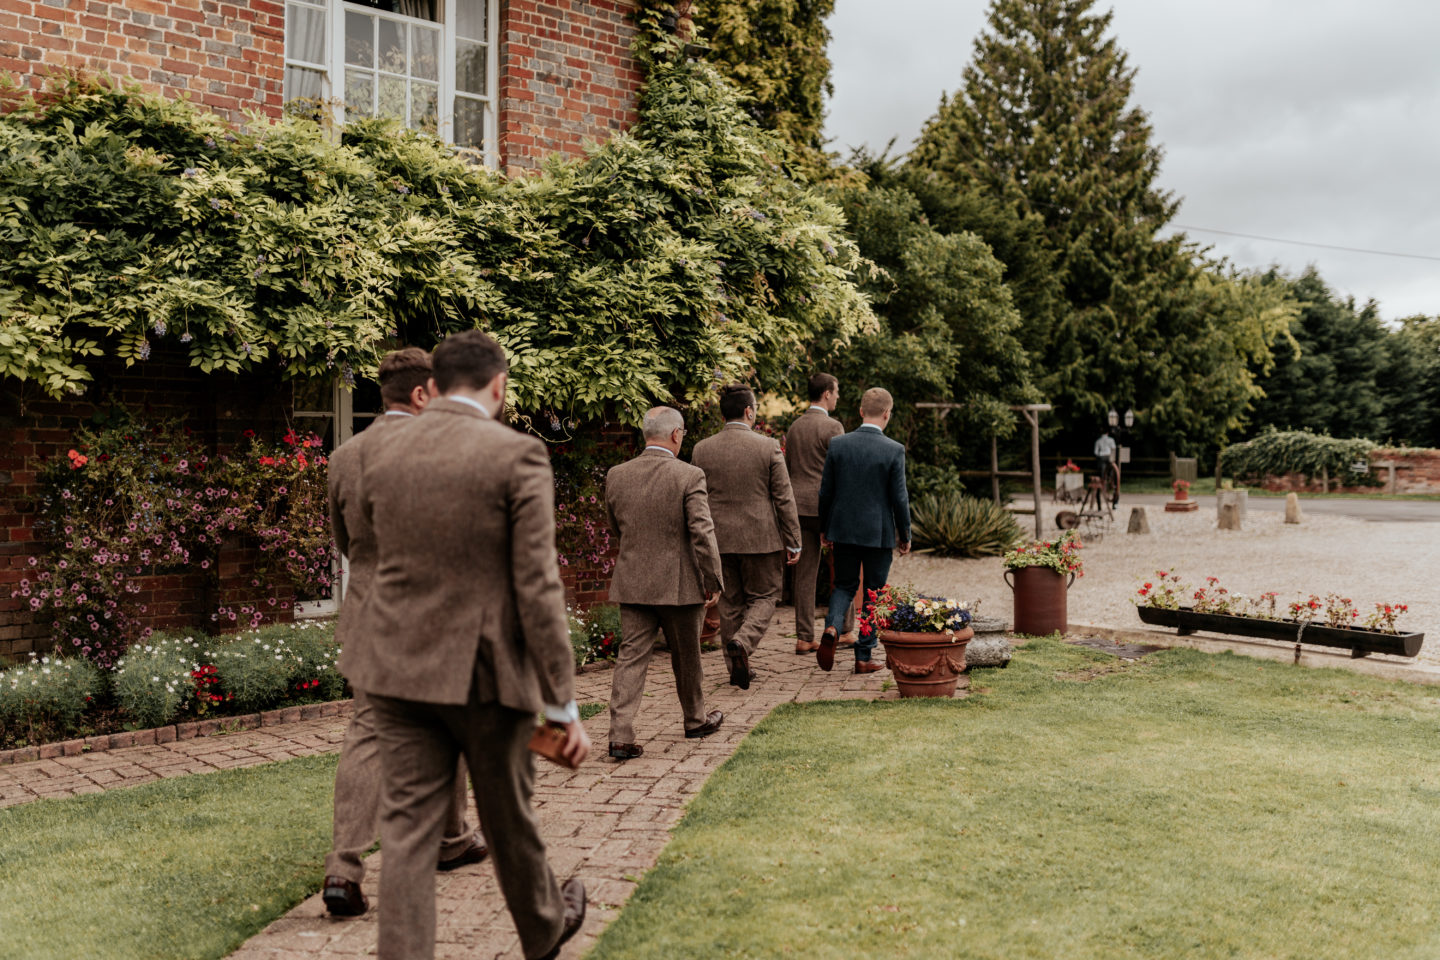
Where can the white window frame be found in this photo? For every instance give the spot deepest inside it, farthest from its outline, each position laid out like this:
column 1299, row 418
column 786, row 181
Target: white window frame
column 334, row 66
column 342, row 412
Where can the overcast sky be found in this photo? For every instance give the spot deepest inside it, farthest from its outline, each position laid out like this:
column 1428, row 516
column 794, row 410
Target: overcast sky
column 1313, row 120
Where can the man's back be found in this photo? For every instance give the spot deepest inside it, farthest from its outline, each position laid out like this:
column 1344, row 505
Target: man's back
column 467, row 587
column 751, row 502
column 806, row 443
column 863, row 500
column 660, row 508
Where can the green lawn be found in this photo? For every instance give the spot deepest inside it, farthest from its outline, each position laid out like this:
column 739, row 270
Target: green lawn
column 189, row 867
column 1185, row 805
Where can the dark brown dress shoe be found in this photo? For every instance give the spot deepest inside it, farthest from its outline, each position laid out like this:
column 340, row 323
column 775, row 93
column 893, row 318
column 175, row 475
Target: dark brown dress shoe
column 866, row 666
column 713, row 719
column 625, row 751
column 825, row 656
column 344, row 898
column 803, row 647
column 573, row 893
column 740, row 673
column 474, row 853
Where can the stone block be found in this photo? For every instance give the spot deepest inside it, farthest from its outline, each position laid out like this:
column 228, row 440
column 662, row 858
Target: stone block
column 1181, row 506
column 1230, row 516
column 1139, row 521
column 1292, row 509
column 988, row 650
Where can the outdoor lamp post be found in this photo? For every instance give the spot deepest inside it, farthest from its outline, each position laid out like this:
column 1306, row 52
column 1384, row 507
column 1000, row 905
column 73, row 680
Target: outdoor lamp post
column 1129, row 419
column 1113, row 418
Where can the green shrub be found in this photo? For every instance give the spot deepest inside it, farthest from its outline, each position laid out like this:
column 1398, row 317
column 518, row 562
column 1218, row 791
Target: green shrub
column 1279, row 453
column 154, row 681
column 45, row 698
column 930, row 480
column 261, row 669
column 959, row 526
column 595, row 634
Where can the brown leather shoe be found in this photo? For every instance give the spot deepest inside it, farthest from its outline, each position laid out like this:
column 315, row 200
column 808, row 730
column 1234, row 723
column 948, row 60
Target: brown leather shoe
column 825, row 656
column 625, row 751
column 847, row 640
column 474, row 853
column 866, row 666
column 573, row 893
column 343, row 898
column 740, row 673
column 803, row 647
column 713, row 719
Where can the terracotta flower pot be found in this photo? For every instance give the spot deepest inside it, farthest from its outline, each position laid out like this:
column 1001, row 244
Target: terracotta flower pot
column 926, row 664
column 1040, row 600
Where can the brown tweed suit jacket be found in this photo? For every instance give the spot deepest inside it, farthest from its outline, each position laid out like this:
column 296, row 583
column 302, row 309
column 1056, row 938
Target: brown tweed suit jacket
column 805, row 445
column 750, row 497
column 660, row 508
column 467, row 586
column 348, row 523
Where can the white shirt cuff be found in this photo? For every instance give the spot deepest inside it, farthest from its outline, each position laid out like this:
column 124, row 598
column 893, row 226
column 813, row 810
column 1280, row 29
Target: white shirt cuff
column 569, row 713
column 793, row 549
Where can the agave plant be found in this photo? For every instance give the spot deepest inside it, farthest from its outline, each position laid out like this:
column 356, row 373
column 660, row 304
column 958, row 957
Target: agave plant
column 961, row 526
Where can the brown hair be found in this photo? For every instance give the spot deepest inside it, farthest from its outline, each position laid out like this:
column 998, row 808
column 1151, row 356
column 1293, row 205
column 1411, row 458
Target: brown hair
column 821, row 384
column 734, row 399
column 401, row 372
column 468, row 359
column 876, row 401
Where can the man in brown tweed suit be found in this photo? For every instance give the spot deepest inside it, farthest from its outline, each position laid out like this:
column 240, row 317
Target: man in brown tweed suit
column 668, row 569
column 461, row 641
column 755, row 526
column 806, row 443
column 403, row 378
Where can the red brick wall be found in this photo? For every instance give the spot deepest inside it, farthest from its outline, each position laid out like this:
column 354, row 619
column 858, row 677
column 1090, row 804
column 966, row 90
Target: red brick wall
column 35, row 429
column 228, row 56
column 566, row 76
column 1416, row 471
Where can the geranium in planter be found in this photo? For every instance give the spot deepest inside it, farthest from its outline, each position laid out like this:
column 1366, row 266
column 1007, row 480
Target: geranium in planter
column 1040, row 573
column 924, row 639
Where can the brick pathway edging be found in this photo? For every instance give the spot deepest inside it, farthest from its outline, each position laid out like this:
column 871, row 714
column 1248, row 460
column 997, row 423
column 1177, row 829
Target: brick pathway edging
column 176, row 731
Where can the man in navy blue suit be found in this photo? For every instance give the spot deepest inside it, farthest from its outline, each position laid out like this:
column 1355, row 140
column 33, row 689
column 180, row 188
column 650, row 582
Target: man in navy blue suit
column 865, row 516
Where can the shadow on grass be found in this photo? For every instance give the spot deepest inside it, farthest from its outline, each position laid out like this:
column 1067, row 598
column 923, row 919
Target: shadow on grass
column 1184, row 804
column 189, row 867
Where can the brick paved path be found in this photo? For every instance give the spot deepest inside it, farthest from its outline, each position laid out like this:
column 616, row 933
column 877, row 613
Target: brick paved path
column 606, row 822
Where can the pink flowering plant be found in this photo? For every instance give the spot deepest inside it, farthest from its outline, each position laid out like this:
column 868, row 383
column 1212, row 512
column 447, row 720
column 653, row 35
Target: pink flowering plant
column 906, row 610
column 1164, row 591
column 1062, row 554
column 582, row 523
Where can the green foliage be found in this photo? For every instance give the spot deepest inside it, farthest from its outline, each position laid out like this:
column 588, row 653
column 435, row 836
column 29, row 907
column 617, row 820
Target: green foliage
column 674, row 256
column 45, row 698
column 774, row 50
column 959, row 526
column 1277, row 453
column 1061, row 554
column 1411, row 382
column 595, row 634
column 153, row 682
column 929, row 479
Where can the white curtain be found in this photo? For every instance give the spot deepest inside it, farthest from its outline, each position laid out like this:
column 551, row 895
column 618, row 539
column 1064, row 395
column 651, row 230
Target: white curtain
column 425, row 9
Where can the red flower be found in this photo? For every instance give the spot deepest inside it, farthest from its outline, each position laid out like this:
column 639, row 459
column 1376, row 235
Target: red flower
column 289, row 438
column 267, row 461
column 77, row 459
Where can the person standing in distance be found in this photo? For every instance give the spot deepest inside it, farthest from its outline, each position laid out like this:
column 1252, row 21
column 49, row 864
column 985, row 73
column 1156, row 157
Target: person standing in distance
column 756, row 526
column 806, row 443
column 463, row 640
column 865, row 512
column 667, row 571
column 404, row 375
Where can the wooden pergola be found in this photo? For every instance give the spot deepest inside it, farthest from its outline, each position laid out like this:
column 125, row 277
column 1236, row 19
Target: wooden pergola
column 1031, row 412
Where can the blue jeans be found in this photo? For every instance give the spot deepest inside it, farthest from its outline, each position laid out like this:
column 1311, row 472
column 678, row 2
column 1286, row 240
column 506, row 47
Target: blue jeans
column 849, row 559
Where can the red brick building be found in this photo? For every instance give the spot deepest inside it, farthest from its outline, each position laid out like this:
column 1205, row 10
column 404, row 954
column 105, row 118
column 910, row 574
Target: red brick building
column 515, row 80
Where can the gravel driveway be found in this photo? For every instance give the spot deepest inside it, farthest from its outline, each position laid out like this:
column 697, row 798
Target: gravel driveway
column 1367, row 561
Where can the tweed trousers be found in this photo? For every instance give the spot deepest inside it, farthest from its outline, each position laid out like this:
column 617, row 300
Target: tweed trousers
column 753, row 582
column 640, row 627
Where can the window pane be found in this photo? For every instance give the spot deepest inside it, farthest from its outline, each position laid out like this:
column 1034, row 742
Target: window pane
column 366, row 397
column 359, row 93
column 470, row 67
column 470, row 123
column 314, row 395
column 424, row 104
column 424, row 53
column 360, row 40
column 302, row 84
column 323, row 427
column 391, row 46
column 471, row 19
column 392, row 98
column 305, row 34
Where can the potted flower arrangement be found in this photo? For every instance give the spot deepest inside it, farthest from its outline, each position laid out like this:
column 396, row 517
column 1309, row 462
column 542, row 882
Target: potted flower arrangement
column 924, row 639
column 1042, row 572
column 1331, row 621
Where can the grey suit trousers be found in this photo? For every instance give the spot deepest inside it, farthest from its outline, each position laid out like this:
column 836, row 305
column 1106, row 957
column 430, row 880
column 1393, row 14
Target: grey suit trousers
column 752, row 585
column 419, row 746
column 640, row 627
column 357, row 801
column 807, row 575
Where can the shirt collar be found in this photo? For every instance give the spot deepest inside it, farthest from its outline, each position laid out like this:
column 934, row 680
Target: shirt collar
column 473, row 403
column 737, row 423
column 814, row 408
column 665, row 450
column 871, row 426
column 398, row 413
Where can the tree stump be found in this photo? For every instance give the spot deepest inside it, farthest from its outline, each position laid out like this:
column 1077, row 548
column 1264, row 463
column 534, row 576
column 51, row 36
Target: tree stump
column 1229, row 516
column 1292, row 509
column 1139, row 521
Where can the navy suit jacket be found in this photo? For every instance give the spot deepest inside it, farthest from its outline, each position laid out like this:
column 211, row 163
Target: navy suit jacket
column 862, row 490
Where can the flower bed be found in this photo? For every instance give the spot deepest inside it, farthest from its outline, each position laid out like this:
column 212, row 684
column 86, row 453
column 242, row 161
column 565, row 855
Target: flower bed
column 168, row 679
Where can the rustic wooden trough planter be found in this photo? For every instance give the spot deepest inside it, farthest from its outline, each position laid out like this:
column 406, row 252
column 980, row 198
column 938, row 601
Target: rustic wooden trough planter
column 1358, row 640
